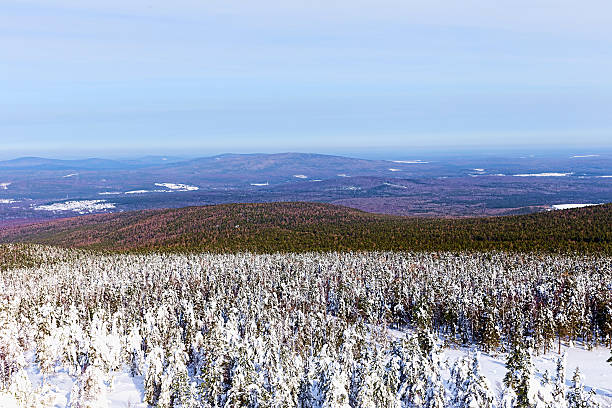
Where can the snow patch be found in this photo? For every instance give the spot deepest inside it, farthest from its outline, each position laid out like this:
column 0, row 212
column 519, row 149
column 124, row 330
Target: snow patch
column 568, row 206
column 604, row 176
column 395, row 169
column 300, row 176
column 479, row 170
column 394, row 185
column 7, row 201
column 110, row 193
column 4, row 186
column 81, row 207
column 260, row 184
column 543, row 175
column 410, row 161
column 70, row 175
column 584, row 155
column 342, row 175
column 178, row 187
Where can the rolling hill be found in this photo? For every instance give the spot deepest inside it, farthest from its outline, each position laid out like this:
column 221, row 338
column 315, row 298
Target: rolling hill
column 299, row 227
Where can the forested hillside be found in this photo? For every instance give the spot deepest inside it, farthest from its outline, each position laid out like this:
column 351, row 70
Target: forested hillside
column 302, row 227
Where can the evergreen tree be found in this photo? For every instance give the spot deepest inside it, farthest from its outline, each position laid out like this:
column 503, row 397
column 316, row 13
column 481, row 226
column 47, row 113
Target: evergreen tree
column 470, row 387
column 577, row 397
column 520, row 373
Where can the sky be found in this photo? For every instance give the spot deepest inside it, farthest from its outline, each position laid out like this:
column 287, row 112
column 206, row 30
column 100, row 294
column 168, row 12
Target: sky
column 112, row 77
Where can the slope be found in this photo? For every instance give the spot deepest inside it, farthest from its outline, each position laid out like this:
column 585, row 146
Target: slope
column 299, row 227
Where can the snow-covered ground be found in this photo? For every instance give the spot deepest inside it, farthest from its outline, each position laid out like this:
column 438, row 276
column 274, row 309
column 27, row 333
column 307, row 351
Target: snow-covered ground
column 543, row 175
column 568, row 206
column 178, row 187
column 128, row 391
column 395, row 169
column 4, row 186
column 596, row 371
column 410, row 161
column 300, row 176
column 260, row 184
column 394, row 185
column 81, row 207
column 7, row 201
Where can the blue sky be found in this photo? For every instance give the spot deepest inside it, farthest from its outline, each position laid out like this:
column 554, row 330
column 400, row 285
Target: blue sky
column 199, row 77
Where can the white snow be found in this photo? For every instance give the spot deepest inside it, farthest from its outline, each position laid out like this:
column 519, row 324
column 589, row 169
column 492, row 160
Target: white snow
column 7, row 201
column 568, row 206
column 479, row 170
column 81, row 207
column 394, row 185
column 543, row 175
column 410, row 161
column 316, row 180
column 300, row 176
column 138, row 192
column 4, row 186
column 342, row 175
column 395, row 169
column 126, row 391
column 585, row 155
column 110, row 193
column 260, row 184
column 604, row 176
column 597, row 372
column 70, row 175
column 178, row 187
column 352, row 188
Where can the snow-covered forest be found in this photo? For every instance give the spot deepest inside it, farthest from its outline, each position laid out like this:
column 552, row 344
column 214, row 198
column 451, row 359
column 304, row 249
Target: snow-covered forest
column 301, row 330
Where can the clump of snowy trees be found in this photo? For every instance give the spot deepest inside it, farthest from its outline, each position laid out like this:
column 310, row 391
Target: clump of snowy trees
column 301, row 330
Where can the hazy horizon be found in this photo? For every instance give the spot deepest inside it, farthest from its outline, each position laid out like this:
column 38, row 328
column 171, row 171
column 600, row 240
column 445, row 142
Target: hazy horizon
column 303, row 76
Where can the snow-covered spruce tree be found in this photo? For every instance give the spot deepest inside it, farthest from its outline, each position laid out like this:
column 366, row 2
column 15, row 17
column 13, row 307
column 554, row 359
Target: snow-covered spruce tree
column 577, row 397
column 370, row 388
column 176, row 388
column 153, row 375
column 134, row 352
column 470, row 388
column 244, row 387
column 559, row 391
column 519, row 374
column 90, row 390
column 407, row 369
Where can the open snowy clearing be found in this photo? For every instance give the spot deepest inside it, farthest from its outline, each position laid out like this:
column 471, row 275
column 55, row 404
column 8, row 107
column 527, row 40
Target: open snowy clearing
column 568, row 206
column 81, row 207
column 178, row 187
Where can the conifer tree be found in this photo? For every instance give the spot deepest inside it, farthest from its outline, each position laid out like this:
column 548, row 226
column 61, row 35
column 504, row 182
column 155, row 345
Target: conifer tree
column 577, row 397
column 519, row 374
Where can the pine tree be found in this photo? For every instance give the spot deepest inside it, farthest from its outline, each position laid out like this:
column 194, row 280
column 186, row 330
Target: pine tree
column 470, row 387
column 90, row 390
column 577, row 397
column 519, row 374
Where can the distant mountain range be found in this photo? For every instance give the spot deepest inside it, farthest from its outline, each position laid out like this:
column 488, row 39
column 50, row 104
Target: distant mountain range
column 34, row 188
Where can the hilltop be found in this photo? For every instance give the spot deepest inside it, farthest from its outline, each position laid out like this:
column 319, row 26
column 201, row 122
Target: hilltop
column 301, row 227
